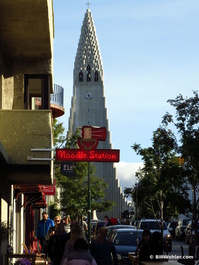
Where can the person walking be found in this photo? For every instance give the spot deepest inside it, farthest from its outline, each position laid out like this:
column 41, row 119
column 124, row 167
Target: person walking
column 80, row 255
column 75, row 233
column 51, row 230
column 102, row 249
column 56, row 244
column 107, row 221
column 42, row 229
column 66, row 221
column 144, row 250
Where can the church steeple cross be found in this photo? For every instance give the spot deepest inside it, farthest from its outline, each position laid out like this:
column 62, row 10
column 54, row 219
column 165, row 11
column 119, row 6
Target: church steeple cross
column 88, row 4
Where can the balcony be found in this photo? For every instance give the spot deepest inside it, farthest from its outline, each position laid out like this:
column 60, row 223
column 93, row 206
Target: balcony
column 57, row 101
column 20, row 131
column 27, row 28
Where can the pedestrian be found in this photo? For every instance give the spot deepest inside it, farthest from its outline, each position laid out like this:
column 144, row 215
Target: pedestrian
column 66, row 221
column 56, row 244
column 80, row 255
column 157, row 246
column 107, row 221
column 36, row 246
column 103, row 249
column 144, row 250
column 51, row 231
column 75, row 233
column 42, row 229
column 84, row 225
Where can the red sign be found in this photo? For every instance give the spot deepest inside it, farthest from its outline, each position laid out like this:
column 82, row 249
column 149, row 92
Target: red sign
column 49, row 190
column 91, row 136
column 90, row 132
column 81, row 155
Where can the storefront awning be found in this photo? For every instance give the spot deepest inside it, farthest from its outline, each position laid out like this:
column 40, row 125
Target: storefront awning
column 40, row 204
column 34, row 195
column 27, row 190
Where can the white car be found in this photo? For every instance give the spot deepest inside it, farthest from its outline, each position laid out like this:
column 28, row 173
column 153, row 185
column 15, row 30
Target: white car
column 153, row 225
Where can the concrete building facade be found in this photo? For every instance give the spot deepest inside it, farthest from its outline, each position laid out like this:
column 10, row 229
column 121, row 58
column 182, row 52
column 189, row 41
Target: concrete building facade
column 88, row 106
column 26, row 115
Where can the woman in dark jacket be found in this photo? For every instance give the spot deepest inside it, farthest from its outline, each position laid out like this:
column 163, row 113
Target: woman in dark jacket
column 57, row 244
column 145, row 247
column 101, row 249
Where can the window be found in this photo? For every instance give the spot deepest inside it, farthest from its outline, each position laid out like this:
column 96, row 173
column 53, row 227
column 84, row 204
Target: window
column 37, row 92
column 80, row 76
column 96, row 76
column 88, row 73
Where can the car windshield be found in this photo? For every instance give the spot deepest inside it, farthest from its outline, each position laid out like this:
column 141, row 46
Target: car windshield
column 126, row 239
column 173, row 225
column 152, row 225
column 186, row 221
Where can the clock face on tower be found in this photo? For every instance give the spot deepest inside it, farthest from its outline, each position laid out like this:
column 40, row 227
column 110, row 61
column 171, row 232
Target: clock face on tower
column 88, row 95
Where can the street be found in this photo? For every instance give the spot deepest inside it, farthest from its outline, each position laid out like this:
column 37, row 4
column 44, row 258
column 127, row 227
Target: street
column 176, row 250
column 176, row 253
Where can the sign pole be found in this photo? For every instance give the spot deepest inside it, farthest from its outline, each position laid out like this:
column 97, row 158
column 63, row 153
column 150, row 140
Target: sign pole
column 87, row 152
column 89, row 205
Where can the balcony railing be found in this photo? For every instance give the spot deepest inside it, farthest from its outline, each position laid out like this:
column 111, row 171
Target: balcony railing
column 58, row 97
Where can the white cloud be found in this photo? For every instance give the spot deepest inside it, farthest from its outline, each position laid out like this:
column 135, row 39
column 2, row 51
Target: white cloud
column 126, row 173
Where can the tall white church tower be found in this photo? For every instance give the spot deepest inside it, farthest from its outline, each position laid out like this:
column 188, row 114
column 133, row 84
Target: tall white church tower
column 88, row 107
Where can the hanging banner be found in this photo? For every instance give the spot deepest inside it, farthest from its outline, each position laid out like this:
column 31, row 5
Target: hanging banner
column 49, row 190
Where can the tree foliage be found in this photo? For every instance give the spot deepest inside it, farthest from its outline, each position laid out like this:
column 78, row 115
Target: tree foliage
column 186, row 121
column 58, row 131
column 74, row 189
column 161, row 177
column 170, row 165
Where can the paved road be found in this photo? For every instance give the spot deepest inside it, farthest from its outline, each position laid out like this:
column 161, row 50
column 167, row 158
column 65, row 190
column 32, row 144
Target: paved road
column 176, row 253
column 176, row 250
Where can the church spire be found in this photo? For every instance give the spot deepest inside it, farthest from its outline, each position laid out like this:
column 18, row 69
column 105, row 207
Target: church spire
column 88, row 62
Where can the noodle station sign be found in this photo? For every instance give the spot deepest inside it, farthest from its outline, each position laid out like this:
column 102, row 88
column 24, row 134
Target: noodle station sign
column 87, row 151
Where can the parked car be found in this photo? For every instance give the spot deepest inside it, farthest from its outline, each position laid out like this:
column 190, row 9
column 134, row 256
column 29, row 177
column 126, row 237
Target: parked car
column 98, row 224
column 190, row 233
column 112, row 228
column 125, row 241
column 180, row 228
column 171, row 227
column 135, row 223
column 154, row 225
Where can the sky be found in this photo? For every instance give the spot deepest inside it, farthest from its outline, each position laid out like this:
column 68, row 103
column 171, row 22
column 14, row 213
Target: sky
column 150, row 53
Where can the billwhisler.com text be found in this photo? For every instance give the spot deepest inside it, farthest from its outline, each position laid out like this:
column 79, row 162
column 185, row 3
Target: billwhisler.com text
column 174, row 257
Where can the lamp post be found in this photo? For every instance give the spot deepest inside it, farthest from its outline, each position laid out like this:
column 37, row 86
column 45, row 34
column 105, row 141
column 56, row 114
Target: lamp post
column 89, row 205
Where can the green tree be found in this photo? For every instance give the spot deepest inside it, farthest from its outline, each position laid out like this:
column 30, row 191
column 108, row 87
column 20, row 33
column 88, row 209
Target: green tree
column 74, row 189
column 54, row 211
column 58, row 133
column 186, row 121
column 161, row 180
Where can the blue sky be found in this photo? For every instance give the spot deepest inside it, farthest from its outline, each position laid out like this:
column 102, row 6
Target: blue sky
column 150, row 53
